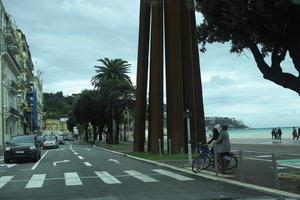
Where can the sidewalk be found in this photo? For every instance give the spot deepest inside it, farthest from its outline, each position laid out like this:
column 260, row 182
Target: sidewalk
column 256, row 165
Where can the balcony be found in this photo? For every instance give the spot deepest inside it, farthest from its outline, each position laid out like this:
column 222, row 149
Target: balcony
column 13, row 87
column 10, row 53
column 14, row 49
column 15, row 113
column 9, row 35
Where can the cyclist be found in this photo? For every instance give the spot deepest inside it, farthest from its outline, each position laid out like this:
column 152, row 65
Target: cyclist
column 222, row 146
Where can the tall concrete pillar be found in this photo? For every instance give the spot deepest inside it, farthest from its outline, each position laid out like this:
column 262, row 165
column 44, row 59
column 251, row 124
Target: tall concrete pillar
column 156, row 77
column 142, row 75
column 183, row 81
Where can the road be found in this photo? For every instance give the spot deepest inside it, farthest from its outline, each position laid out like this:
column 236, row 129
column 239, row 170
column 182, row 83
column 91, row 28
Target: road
column 79, row 171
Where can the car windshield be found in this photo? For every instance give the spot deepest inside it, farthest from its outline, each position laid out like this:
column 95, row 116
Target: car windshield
column 22, row 139
column 59, row 137
column 50, row 138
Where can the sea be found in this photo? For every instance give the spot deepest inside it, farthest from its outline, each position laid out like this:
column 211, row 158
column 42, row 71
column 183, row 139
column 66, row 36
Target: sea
column 260, row 136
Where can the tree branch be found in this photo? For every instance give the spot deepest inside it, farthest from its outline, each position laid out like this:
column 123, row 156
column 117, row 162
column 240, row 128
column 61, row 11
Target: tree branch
column 285, row 80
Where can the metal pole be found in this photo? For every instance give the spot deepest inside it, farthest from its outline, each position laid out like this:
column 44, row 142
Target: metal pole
column 189, row 138
column 159, row 148
column 215, row 159
column 170, row 149
column 128, row 122
column 276, row 181
column 182, row 156
column 240, row 165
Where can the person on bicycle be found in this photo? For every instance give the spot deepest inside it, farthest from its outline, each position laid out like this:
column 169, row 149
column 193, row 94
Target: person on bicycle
column 222, row 146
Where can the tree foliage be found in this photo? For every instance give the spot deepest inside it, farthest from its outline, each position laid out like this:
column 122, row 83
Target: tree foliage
column 265, row 27
column 57, row 106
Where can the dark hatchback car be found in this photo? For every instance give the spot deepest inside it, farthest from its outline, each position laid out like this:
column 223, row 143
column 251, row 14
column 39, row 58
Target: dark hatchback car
column 22, row 147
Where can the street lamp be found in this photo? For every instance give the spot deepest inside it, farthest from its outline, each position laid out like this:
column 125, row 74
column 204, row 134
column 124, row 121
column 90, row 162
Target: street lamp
column 4, row 110
column 188, row 115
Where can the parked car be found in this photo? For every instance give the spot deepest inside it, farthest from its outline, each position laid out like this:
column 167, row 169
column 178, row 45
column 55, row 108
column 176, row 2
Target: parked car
column 22, row 147
column 50, row 142
column 60, row 140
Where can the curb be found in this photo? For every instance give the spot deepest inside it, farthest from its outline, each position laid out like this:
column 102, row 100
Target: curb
column 212, row 177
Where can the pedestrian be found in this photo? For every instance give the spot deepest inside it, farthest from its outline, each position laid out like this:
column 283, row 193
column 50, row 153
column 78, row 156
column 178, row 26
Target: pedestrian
column 273, row 133
column 215, row 135
column 298, row 134
column 279, row 133
column 295, row 135
column 223, row 146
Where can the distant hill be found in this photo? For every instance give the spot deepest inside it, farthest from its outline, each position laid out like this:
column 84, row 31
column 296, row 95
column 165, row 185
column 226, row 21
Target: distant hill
column 57, row 106
column 211, row 122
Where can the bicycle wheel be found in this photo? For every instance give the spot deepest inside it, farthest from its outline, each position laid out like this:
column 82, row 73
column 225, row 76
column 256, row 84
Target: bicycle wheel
column 201, row 162
column 231, row 165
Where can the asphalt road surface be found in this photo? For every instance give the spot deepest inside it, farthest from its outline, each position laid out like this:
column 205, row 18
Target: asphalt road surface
column 79, row 171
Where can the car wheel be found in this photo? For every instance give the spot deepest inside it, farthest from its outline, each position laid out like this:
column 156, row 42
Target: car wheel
column 6, row 160
column 36, row 158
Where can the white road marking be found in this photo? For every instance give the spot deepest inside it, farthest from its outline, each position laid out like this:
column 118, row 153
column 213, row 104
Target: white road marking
column 107, row 178
column 63, row 161
column 4, row 180
column 72, row 178
column 8, row 165
column 87, row 164
column 38, row 162
column 114, row 160
column 172, row 175
column 140, row 176
column 75, row 153
column 36, row 181
column 264, row 156
column 80, row 157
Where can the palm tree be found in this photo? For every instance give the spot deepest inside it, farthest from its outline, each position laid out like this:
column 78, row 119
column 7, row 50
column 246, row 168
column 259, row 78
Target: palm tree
column 112, row 69
column 115, row 86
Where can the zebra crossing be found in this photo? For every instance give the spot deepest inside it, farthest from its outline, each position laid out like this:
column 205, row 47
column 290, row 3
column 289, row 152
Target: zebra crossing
column 73, row 178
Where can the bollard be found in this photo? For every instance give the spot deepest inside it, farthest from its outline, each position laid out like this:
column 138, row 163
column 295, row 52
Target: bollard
column 159, row 148
column 240, row 167
column 276, row 180
column 215, row 159
column 182, row 155
column 170, row 149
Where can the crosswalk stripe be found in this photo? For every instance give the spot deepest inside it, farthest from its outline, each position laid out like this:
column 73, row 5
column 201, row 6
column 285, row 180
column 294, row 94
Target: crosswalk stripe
column 87, row 164
column 36, row 181
column 107, row 178
column 72, row 178
column 4, row 180
column 75, row 153
column 172, row 175
column 140, row 176
column 80, row 157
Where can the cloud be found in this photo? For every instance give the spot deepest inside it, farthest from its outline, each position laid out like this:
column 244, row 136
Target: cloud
column 66, row 37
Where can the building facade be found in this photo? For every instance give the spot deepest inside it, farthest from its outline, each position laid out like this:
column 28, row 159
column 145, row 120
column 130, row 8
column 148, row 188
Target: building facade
column 17, row 82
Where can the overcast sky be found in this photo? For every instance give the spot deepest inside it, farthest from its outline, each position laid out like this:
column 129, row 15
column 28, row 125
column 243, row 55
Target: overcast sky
column 66, row 37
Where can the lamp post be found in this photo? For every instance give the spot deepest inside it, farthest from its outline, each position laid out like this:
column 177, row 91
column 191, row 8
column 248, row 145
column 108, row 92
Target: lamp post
column 31, row 116
column 4, row 110
column 188, row 115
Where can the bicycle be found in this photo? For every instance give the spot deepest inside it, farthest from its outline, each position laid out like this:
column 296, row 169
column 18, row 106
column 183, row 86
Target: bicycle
column 206, row 160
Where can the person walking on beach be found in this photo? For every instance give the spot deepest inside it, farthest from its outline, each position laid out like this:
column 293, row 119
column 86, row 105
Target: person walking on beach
column 223, row 146
column 298, row 134
column 279, row 133
column 273, row 133
column 295, row 135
